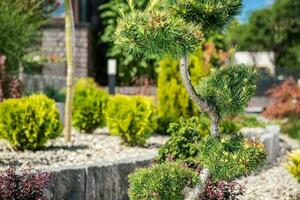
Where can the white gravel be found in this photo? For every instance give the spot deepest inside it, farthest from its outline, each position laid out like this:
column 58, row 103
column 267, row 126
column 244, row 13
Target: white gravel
column 273, row 182
column 85, row 149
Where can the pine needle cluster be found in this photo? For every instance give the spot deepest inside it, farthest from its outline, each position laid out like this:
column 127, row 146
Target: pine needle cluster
column 212, row 15
column 172, row 27
column 150, row 33
column 229, row 88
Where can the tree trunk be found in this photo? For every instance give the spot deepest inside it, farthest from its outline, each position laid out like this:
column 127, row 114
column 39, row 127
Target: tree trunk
column 2, row 63
column 212, row 113
column 204, row 105
column 194, row 193
column 69, row 26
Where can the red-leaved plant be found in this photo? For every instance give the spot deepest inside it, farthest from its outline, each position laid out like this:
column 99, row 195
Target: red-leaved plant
column 23, row 185
column 286, row 100
column 10, row 86
column 223, row 190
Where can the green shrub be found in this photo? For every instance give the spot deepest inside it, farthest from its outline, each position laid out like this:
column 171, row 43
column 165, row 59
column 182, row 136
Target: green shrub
column 161, row 182
column 292, row 127
column 230, row 156
column 89, row 106
column 186, row 136
column 173, row 99
column 228, row 127
column 229, row 88
column 28, row 123
column 293, row 165
column 132, row 118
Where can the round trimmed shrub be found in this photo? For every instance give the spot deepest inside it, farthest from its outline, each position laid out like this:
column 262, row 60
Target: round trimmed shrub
column 164, row 181
column 89, row 106
column 28, row 123
column 132, row 118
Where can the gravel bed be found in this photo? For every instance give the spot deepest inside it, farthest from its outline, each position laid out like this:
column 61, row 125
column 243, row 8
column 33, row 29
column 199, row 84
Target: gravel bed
column 273, row 182
column 85, row 149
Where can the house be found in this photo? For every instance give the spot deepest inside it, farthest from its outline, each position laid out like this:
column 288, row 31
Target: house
column 89, row 55
column 262, row 60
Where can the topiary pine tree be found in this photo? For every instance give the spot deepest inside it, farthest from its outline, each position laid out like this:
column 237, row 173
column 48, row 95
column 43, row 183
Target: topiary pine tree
column 174, row 28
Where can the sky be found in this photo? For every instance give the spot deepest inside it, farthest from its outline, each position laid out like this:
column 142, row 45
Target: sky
column 251, row 5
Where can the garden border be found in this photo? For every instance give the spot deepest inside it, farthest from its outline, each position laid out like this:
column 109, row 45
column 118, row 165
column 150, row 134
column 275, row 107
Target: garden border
column 105, row 181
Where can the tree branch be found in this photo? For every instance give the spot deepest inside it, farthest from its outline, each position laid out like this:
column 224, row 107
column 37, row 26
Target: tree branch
column 204, row 105
column 199, row 188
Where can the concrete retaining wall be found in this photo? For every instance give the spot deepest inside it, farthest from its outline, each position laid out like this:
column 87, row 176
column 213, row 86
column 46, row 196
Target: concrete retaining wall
column 100, row 182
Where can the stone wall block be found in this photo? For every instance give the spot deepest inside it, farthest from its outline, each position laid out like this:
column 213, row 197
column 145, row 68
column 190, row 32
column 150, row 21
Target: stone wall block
column 70, row 184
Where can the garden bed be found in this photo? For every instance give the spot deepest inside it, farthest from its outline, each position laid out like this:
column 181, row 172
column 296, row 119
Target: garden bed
column 85, row 149
column 274, row 181
column 96, row 166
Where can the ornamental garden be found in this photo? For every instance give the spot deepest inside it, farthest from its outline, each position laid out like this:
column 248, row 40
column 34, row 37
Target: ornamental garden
column 197, row 136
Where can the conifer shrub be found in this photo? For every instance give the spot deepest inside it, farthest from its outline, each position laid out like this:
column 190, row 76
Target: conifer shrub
column 132, row 118
column 29, row 122
column 229, row 88
column 231, row 156
column 89, row 106
column 293, row 165
column 186, row 135
column 162, row 181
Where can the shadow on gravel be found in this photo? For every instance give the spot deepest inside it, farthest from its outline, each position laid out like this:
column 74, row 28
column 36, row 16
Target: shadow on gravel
column 66, row 147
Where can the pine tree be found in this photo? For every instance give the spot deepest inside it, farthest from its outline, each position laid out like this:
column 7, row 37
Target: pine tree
column 175, row 28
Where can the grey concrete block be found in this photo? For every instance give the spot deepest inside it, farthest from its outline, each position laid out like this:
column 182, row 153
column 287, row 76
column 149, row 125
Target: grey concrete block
column 71, row 184
column 104, row 181
column 99, row 183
